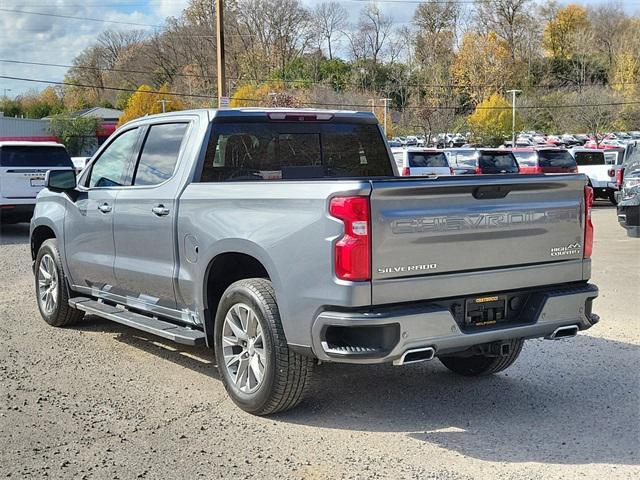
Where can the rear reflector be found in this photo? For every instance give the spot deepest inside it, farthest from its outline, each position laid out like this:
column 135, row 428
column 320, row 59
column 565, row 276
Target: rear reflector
column 588, row 224
column 352, row 252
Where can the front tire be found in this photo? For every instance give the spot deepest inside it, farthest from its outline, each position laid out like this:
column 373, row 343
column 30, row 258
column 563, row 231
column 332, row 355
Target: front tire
column 52, row 288
column 259, row 371
column 477, row 365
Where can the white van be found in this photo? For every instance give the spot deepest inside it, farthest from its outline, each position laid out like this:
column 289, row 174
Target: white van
column 600, row 167
column 418, row 161
column 23, row 166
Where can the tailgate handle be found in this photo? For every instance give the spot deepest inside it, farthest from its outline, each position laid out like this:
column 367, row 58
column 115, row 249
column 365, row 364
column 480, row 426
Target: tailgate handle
column 492, row 191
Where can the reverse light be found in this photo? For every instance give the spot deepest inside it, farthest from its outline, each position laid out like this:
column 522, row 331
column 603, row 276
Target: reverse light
column 352, row 252
column 588, row 224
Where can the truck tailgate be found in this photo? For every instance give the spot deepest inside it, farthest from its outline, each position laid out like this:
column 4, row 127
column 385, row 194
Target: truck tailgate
column 458, row 227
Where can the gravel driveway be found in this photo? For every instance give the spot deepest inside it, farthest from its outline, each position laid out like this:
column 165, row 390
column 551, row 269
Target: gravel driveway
column 101, row 400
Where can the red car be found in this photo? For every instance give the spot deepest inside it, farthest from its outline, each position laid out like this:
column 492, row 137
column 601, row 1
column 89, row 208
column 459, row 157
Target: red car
column 545, row 160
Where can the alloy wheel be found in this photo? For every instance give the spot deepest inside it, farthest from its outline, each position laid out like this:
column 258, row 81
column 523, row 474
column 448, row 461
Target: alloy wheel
column 48, row 284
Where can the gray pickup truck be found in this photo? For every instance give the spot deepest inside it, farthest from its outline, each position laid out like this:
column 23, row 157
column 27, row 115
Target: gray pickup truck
column 282, row 238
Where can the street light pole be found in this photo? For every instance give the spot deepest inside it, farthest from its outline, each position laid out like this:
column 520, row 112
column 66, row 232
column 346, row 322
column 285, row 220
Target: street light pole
column 513, row 116
column 222, row 84
column 386, row 105
column 164, row 104
column 373, row 105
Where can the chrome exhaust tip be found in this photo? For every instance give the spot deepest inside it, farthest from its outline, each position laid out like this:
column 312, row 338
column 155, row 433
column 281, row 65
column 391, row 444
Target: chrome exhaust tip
column 415, row 355
column 567, row 331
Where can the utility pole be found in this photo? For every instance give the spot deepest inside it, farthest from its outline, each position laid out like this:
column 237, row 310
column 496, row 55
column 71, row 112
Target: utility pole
column 513, row 116
column 5, row 92
column 386, row 106
column 164, row 104
column 222, row 84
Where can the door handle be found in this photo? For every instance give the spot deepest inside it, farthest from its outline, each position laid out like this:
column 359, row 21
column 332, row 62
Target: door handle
column 105, row 208
column 160, row 210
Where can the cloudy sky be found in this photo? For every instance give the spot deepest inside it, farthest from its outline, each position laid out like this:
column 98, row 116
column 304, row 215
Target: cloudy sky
column 49, row 39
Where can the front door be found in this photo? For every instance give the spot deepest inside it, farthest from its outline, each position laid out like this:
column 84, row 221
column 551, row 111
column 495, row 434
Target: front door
column 145, row 224
column 89, row 246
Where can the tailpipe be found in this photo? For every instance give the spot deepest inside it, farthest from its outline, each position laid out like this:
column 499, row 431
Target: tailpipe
column 415, row 355
column 567, row 331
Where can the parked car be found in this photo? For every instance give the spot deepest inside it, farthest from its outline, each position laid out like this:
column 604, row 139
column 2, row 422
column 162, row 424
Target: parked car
column 463, row 161
column 280, row 242
column 629, row 195
column 545, row 160
column 417, row 161
column 599, row 166
column 80, row 162
column 23, row 166
column 466, row 161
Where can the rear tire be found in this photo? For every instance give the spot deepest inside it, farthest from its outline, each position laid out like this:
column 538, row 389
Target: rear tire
column 483, row 365
column 259, row 371
column 612, row 198
column 52, row 287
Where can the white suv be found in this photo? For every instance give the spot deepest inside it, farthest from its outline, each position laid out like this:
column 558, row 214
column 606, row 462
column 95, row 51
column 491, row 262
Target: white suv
column 419, row 161
column 23, row 166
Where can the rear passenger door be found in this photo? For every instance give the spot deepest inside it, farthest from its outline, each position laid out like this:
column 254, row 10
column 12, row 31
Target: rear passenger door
column 145, row 226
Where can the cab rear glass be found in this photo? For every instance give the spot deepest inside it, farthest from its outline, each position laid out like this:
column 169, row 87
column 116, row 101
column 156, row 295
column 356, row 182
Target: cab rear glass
column 40, row 157
column 589, row 158
column 427, row 159
column 291, row 150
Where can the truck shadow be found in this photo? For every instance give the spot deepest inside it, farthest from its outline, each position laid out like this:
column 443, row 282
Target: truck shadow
column 198, row 359
column 567, row 402
column 554, row 405
column 14, row 234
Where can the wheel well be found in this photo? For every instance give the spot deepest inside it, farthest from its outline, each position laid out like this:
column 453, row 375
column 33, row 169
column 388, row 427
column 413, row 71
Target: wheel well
column 224, row 270
column 39, row 235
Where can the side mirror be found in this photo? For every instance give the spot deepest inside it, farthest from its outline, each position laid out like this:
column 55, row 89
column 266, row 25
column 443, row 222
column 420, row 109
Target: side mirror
column 60, row 180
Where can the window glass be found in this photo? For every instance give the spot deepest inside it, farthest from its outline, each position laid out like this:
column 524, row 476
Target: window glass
column 112, row 167
column 159, row 153
column 427, row 159
column 294, row 150
column 497, row 162
column 589, row 158
column 526, row 158
column 34, row 156
column 463, row 158
column 556, row 158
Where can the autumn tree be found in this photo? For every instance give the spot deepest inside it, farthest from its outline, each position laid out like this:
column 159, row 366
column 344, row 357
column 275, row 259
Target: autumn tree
column 146, row 101
column 491, row 120
column 481, row 66
column 561, row 33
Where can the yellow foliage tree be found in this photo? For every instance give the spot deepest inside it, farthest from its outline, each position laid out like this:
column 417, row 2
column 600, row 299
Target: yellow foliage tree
column 560, row 34
column 491, row 120
column 482, row 65
column 146, row 101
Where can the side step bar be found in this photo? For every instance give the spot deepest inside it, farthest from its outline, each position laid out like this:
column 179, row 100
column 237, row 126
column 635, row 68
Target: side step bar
column 170, row 331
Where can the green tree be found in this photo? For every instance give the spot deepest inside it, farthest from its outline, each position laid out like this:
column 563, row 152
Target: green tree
column 491, row 120
column 76, row 133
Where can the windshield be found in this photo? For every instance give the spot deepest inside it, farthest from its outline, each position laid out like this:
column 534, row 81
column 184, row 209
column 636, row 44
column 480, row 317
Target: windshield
column 526, row 158
column 28, row 156
column 589, row 158
column 497, row 162
column 292, row 150
column 556, row 159
column 427, row 159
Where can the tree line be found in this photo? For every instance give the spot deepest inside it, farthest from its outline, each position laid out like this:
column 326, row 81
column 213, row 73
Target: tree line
column 578, row 67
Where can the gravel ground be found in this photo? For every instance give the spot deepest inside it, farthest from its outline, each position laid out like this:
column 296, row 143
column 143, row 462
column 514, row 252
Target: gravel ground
column 105, row 401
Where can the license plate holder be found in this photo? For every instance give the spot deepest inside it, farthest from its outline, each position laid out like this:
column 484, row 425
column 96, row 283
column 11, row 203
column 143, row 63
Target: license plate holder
column 485, row 311
column 37, row 182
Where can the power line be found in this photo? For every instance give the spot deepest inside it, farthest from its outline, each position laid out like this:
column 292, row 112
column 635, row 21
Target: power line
column 88, row 19
column 327, row 104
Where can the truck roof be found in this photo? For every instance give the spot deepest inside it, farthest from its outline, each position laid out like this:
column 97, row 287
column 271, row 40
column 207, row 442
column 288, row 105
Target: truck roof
column 273, row 114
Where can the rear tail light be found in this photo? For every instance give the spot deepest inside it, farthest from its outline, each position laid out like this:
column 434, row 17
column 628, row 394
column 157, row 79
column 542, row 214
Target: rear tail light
column 406, row 172
column 611, row 172
column 588, row 225
column 537, row 169
column 619, row 177
column 352, row 252
column 478, row 171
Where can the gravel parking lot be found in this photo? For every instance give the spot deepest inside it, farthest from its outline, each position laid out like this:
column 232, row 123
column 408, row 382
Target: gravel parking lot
column 105, row 401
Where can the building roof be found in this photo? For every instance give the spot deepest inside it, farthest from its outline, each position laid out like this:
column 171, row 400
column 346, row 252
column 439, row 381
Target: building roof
column 110, row 114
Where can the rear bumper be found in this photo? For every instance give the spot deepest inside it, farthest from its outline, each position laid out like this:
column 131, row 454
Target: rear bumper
column 16, row 212
column 404, row 327
column 629, row 216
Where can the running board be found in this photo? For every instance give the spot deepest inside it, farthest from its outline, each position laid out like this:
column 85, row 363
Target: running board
column 170, row 331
